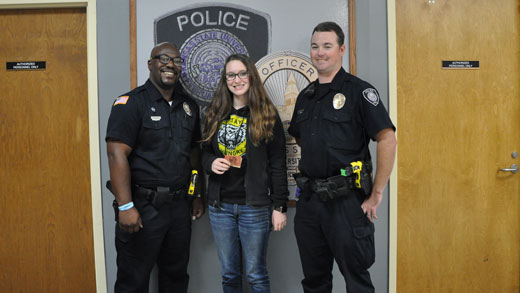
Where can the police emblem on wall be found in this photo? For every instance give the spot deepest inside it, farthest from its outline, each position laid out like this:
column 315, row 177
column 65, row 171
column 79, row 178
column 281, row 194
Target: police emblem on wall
column 284, row 75
column 206, row 35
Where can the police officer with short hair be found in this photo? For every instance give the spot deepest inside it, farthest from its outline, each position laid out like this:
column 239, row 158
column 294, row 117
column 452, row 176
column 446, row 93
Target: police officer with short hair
column 152, row 145
column 333, row 121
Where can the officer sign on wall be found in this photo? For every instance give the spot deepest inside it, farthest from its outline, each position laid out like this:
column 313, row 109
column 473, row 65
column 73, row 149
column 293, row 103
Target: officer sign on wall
column 206, row 35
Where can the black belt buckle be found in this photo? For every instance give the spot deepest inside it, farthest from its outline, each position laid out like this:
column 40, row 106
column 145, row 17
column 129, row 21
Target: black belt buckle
column 143, row 192
column 164, row 195
column 158, row 196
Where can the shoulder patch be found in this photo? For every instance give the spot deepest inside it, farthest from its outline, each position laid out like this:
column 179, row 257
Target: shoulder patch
column 121, row 100
column 371, row 96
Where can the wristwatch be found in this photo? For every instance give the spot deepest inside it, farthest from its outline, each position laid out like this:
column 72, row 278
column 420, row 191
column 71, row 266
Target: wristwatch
column 281, row 208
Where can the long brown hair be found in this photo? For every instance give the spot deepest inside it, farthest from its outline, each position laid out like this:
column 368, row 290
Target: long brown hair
column 262, row 111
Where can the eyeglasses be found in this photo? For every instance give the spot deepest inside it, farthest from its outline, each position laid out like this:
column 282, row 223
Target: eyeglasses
column 165, row 59
column 241, row 75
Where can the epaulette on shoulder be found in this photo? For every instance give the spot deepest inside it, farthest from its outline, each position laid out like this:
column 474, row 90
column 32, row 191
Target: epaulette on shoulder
column 180, row 90
column 363, row 84
column 138, row 89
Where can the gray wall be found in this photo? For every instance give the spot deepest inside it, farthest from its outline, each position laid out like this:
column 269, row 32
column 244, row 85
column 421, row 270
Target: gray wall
column 372, row 66
column 113, row 79
column 283, row 260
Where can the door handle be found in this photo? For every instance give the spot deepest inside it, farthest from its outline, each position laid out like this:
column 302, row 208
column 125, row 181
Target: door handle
column 513, row 169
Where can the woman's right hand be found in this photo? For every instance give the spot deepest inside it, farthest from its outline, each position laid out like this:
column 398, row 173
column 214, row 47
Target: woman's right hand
column 219, row 166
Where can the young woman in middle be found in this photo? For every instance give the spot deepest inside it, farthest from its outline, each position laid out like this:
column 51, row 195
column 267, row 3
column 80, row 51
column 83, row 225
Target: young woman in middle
column 244, row 155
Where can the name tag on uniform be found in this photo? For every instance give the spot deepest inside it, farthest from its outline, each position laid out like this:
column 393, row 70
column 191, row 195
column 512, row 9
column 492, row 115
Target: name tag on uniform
column 155, row 118
column 234, row 161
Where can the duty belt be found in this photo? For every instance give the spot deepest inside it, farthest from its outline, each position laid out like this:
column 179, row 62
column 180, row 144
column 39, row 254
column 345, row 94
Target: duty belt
column 162, row 191
column 326, row 189
column 335, row 186
column 332, row 187
column 159, row 195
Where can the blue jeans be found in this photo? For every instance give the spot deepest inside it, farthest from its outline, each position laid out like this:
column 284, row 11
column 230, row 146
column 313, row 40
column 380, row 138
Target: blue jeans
column 242, row 226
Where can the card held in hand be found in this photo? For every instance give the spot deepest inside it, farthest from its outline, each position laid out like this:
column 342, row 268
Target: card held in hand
column 234, row 161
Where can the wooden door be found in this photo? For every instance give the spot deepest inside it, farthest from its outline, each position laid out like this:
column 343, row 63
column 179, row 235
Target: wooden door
column 45, row 197
column 458, row 215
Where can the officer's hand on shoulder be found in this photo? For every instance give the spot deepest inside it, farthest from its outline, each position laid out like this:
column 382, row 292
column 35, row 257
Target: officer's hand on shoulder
column 130, row 220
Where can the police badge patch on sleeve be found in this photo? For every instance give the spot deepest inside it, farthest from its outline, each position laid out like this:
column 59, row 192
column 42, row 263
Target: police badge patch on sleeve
column 371, row 96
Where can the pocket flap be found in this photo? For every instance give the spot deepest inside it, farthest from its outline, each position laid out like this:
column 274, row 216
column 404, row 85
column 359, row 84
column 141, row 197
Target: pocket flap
column 363, row 231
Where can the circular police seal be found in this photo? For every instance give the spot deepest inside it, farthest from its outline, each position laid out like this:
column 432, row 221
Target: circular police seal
column 338, row 101
column 205, row 53
column 371, row 96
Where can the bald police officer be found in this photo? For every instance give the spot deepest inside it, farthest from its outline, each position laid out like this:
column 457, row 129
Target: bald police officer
column 333, row 121
column 152, row 145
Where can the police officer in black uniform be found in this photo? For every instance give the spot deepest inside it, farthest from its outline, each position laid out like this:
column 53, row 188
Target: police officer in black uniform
column 152, row 145
column 333, row 121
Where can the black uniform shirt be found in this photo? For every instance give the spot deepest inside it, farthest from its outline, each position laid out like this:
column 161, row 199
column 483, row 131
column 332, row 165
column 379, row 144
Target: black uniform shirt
column 332, row 131
column 161, row 137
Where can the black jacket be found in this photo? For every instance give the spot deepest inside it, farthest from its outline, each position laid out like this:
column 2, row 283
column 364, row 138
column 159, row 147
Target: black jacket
column 266, row 170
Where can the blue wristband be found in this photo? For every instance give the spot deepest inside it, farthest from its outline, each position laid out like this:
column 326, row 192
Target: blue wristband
column 126, row 206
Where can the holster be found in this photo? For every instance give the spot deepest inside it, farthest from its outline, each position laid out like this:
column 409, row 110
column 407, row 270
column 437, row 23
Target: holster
column 304, row 184
column 115, row 206
column 366, row 182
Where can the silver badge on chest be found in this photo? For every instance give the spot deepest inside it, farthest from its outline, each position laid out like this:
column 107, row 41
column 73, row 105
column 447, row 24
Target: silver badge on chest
column 338, row 101
column 187, row 109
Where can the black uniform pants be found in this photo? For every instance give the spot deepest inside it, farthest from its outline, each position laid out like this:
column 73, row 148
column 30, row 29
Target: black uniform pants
column 337, row 229
column 164, row 239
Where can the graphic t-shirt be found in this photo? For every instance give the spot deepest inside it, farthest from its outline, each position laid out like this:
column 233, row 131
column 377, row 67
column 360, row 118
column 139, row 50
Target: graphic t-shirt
column 232, row 140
